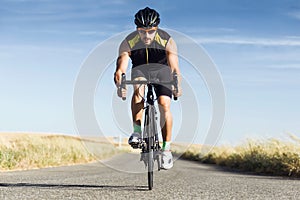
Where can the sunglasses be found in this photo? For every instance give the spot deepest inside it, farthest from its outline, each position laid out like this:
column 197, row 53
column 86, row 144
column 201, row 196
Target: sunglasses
column 149, row 30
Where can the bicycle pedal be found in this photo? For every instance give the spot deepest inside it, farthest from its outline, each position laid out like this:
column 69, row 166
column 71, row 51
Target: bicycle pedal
column 135, row 146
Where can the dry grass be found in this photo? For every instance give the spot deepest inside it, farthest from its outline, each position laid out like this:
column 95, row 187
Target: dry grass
column 27, row 151
column 271, row 156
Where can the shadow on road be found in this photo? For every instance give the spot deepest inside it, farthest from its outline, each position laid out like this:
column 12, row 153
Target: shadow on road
column 73, row 186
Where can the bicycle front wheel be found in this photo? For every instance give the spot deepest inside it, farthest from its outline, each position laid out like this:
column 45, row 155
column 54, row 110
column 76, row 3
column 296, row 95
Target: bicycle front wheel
column 150, row 123
column 150, row 165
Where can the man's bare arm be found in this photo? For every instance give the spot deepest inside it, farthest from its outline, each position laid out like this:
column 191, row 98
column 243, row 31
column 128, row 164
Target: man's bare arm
column 122, row 61
column 172, row 58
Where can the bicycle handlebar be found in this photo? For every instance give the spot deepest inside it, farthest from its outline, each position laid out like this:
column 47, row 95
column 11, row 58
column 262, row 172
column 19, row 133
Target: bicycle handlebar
column 125, row 82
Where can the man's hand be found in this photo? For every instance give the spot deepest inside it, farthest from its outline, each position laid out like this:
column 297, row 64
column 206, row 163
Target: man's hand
column 122, row 92
column 176, row 87
column 177, row 93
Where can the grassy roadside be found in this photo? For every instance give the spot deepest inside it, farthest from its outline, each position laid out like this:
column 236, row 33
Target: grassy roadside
column 28, row 151
column 268, row 157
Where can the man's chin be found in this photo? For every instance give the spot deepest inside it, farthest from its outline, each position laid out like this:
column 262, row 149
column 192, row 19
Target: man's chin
column 147, row 42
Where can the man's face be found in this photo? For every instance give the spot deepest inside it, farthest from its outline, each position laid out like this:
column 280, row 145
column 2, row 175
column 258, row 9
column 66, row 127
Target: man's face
column 147, row 35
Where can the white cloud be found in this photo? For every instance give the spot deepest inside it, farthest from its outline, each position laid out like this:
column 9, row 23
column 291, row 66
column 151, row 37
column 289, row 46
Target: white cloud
column 250, row 41
column 115, row 2
column 284, row 67
column 214, row 30
column 295, row 15
column 56, row 11
column 21, row 50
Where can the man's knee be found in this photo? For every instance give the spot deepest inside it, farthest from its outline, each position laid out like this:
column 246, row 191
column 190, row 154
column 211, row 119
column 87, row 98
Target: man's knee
column 164, row 103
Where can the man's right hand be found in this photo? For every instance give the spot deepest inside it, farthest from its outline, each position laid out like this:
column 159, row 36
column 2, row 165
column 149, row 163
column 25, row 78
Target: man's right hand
column 122, row 92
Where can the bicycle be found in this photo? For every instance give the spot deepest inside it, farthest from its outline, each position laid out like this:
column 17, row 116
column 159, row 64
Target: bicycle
column 149, row 144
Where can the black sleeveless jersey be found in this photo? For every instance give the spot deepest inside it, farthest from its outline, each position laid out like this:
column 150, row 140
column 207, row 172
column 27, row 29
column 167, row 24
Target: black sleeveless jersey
column 154, row 53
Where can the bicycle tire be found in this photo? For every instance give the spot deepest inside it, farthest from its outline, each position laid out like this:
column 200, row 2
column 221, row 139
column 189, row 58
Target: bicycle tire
column 150, row 146
column 150, row 169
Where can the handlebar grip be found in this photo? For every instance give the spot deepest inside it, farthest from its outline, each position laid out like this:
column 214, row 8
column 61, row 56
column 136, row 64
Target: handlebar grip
column 175, row 79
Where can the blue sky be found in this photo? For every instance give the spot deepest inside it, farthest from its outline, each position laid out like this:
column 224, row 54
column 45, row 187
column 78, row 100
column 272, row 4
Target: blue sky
column 255, row 45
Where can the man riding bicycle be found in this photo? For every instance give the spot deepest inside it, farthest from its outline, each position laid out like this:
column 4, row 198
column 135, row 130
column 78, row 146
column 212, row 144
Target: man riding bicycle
column 153, row 53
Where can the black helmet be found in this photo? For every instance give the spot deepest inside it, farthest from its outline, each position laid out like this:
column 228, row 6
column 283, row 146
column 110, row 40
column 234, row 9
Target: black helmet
column 147, row 18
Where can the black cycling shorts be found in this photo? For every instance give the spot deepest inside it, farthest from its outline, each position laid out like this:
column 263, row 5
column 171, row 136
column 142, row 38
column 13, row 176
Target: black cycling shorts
column 156, row 72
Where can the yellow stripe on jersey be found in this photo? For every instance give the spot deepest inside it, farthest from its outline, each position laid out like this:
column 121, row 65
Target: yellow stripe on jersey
column 134, row 41
column 160, row 41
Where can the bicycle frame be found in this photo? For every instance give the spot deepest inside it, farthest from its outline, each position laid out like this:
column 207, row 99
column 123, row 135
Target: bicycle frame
column 150, row 141
column 150, row 148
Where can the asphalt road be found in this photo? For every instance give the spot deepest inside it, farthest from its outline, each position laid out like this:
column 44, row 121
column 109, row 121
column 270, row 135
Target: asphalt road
column 112, row 180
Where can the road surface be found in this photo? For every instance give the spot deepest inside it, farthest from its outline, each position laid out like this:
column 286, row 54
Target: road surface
column 111, row 180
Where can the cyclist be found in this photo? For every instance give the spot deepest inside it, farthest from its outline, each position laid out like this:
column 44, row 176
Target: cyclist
column 152, row 52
